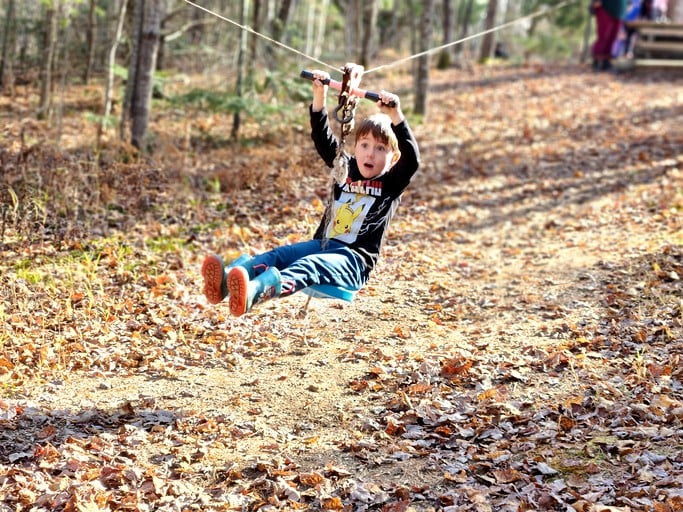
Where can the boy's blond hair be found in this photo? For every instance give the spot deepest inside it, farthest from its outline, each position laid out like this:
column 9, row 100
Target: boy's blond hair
column 379, row 126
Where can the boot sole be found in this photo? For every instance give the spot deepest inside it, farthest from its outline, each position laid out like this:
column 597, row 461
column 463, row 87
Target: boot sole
column 238, row 288
column 214, row 285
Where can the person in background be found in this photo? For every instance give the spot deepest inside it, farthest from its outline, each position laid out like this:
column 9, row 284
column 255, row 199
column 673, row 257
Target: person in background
column 654, row 10
column 625, row 47
column 608, row 18
column 647, row 10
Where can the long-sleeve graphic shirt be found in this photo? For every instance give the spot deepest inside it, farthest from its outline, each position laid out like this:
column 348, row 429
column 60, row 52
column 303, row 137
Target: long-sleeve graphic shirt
column 362, row 208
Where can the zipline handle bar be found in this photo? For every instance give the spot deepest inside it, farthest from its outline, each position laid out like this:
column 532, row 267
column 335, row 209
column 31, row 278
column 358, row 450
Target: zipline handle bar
column 361, row 93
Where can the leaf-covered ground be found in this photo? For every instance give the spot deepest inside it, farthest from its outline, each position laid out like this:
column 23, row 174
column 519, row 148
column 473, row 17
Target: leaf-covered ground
column 518, row 348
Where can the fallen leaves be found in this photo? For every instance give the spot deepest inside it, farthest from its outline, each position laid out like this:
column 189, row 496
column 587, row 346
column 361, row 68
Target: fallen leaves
column 521, row 352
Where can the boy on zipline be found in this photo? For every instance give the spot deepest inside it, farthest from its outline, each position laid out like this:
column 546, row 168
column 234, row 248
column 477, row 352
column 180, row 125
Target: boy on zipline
column 346, row 245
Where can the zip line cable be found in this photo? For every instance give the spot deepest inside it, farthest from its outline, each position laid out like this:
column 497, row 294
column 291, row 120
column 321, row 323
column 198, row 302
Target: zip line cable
column 540, row 12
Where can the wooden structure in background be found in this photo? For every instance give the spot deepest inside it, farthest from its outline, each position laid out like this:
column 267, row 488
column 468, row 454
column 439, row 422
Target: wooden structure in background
column 657, row 44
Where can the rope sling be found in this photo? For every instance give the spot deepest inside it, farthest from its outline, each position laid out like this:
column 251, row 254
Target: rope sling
column 347, row 106
column 344, row 114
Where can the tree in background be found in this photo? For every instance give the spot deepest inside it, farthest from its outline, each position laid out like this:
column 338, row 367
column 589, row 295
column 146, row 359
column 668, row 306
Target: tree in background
column 8, row 46
column 280, row 21
column 334, row 31
column 466, row 8
column 256, row 24
column 239, row 81
column 360, row 24
column 486, row 48
column 89, row 41
column 111, row 63
column 369, row 17
column 146, row 36
column 320, row 29
column 551, row 35
column 422, row 74
column 48, row 56
column 448, row 29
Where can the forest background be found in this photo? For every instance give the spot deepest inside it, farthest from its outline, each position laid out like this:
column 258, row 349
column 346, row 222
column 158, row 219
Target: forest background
column 518, row 348
column 152, row 43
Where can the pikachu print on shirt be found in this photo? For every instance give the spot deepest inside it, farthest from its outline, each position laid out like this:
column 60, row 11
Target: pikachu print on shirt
column 348, row 216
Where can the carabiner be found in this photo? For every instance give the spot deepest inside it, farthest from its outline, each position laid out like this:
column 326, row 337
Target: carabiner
column 343, row 120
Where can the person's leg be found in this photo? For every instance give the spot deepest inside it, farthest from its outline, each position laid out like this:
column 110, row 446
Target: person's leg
column 283, row 256
column 612, row 27
column 246, row 293
column 628, row 44
column 215, row 272
column 602, row 47
column 336, row 265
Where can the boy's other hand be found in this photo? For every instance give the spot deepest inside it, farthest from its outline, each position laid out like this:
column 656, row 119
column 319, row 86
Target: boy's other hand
column 319, row 77
column 319, row 89
column 390, row 104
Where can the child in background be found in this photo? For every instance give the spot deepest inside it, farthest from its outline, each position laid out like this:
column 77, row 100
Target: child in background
column 654, row 10
column 346, row 245
column 625, row 41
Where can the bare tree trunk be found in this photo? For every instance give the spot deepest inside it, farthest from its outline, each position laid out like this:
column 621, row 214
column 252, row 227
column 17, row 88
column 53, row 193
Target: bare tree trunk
column 412, row 21
column 487, row 40
column 138, row 6
column 89, row 42
column 388, row 29
column 369, row 20
column 146, row 39
column 513, row 10
column 585, row 50
column 465, row 22
column 350, row 13
column 110, row 70
column 357, row 21
column 196, row 33
column 320, row 29
column 236, row 119
column 49, row 44
column 7, row 47
column 253, row 41
column 165, row 35
column 280, row 22
column 422, row 75
column 353, row 11
column 446, row 53
column 310, row 30
column 62, row 67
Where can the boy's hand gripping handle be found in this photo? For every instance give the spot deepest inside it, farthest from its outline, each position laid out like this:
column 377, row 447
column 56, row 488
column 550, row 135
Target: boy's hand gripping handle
column 361, row 93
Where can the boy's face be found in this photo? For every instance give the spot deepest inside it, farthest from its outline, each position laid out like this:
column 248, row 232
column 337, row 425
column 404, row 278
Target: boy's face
column 374, row 157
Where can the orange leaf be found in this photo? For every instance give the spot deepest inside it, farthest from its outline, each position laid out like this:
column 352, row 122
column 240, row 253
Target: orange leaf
column 401, row 333
column 333, row 503
column 311, row 479
column 419, row 388
column 454, row 367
